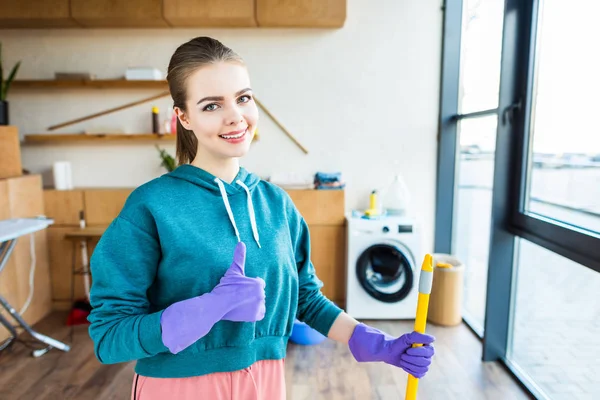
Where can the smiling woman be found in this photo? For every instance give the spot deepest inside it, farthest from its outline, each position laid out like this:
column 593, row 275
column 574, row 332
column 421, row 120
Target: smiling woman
column 217, row 115
column 166, row 291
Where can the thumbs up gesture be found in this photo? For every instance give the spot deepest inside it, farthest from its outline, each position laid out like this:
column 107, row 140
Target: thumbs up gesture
column 248, row 293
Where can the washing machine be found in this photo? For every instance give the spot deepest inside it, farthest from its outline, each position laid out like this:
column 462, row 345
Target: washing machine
column 382, row 267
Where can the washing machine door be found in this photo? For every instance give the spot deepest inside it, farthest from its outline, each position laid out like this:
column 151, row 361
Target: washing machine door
column 385, row 271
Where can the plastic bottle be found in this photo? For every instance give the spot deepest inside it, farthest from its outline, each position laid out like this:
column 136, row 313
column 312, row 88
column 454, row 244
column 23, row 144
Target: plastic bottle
column 396, row 198
column 155, row 123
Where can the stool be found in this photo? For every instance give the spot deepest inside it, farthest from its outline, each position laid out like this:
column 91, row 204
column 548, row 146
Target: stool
column 81, row 238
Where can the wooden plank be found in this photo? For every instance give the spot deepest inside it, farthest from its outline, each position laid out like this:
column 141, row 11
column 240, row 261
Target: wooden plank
column 103, row 205
column 63, row 206
column 209, row 13
column 35, row 14
column 51, row 138
column 301, row 13
column 320, row 207
column 329, row 259
column 89, row 84
column 118, row 14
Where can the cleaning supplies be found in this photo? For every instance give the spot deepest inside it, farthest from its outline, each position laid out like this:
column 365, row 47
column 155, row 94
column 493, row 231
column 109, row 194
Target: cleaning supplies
column 396, row 198
column 374, row 209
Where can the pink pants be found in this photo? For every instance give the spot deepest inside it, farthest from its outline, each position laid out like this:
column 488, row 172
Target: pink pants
column 263, row 380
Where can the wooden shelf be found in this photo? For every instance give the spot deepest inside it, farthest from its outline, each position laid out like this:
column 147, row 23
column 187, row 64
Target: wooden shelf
column 89, row 84
column 52, row 138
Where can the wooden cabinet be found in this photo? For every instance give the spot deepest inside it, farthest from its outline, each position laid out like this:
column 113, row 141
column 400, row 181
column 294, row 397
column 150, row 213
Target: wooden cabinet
column 21, row 197
column 32, row 14
column 323, row 211
column 215, row 13
column 301, row 13
column 63, row 206
column 118, row 14
column 328, row 253
column 103, row 205
column 36, row 14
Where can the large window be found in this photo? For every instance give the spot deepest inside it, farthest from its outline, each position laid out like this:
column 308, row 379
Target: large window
column 476, row 121
column 519, row 184
column 556, row 332
column 471, row 236
column 564, row 157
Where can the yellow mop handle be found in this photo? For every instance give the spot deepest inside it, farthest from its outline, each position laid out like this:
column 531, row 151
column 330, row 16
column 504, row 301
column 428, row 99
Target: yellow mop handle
column 425, row 281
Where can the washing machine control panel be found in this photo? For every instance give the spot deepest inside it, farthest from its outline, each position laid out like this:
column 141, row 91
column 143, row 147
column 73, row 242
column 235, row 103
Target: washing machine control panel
column 401, row 229
column 405, row 228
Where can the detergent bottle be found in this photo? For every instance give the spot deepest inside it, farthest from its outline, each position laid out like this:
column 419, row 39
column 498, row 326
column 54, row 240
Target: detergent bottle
column 396, row 198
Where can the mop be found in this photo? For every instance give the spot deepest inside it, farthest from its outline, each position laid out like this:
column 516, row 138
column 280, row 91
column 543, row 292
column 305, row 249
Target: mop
column 425, row 282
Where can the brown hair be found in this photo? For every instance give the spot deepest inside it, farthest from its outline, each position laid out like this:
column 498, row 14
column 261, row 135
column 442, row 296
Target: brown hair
column 188, row 57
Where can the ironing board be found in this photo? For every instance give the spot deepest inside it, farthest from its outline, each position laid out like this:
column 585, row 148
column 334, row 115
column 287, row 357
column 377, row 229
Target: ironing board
column 10, row 231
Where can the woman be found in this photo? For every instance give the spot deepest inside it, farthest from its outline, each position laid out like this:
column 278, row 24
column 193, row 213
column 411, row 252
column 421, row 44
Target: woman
column 166, row 291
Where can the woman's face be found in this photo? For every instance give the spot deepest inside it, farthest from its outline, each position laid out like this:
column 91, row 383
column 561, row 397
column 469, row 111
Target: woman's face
column 220, row 110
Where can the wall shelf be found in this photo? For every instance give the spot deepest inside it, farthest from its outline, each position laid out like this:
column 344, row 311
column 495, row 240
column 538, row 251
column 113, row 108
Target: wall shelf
column 58, row 139
column 89, row 84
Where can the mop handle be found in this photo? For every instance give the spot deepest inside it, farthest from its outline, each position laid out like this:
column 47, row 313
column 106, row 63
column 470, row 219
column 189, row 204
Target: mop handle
column 425, row 281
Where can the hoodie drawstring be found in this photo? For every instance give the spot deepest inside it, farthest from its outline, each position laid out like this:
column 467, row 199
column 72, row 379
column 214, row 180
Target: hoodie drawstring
column 251, row 212
column 230, row 213
column 228, row 207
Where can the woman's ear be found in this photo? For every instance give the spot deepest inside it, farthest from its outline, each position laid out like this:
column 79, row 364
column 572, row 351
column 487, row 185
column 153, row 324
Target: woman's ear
column 183, row 118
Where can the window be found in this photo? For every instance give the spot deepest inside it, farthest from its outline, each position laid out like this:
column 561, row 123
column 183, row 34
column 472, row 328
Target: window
column 471, row 238
column 519, row 184
column 476, row 124
column 556, row 334
column 481, row 47
column 564, row 159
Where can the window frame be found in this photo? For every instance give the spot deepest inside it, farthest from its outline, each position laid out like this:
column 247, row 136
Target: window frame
column 509, row 221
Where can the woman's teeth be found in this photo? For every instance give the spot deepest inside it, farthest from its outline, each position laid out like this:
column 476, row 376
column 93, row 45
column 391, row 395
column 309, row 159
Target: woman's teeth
column 239, row 135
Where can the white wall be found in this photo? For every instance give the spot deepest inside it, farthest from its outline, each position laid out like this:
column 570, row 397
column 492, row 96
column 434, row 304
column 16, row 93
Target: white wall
column 358, row 98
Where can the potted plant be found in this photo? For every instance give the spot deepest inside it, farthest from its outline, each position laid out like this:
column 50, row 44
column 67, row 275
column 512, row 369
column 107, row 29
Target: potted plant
column 4, row 86
column 167, row 160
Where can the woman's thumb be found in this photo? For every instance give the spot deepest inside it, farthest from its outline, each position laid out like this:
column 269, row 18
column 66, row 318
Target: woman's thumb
column 239, row 259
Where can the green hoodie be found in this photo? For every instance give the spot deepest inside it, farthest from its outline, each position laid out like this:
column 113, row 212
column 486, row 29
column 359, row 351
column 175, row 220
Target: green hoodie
column 173, row 240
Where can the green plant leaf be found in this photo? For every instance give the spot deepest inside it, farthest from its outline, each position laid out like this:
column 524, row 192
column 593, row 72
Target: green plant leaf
column 11, row 77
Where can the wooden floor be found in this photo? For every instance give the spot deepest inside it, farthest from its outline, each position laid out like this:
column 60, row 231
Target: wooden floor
column 326, row 371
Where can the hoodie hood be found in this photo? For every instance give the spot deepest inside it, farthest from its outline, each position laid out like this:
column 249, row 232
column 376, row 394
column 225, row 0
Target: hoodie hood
column 206, row 180
column 244, row 182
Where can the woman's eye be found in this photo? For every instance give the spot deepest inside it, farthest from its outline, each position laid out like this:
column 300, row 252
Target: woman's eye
column 245, row 98
column 210, row 107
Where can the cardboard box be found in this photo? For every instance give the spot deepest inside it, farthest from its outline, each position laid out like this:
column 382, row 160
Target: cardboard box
column 22, row 197
column 10, row 152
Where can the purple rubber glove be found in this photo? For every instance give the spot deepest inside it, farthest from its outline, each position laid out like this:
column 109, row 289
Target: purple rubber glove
column 370, row 344
column 236, row 298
